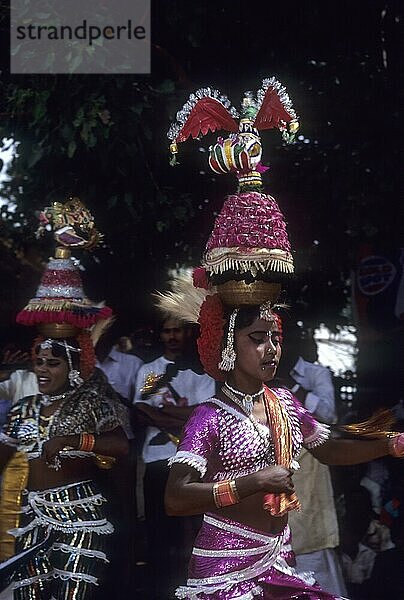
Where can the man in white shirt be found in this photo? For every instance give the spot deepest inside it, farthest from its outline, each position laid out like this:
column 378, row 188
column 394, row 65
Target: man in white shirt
column 313, row 386
column 121, row 370
column 164, row 405
column 19, row 384
column 15, row 383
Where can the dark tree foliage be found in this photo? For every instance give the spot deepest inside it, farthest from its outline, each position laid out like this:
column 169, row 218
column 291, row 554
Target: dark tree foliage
column 103, row 138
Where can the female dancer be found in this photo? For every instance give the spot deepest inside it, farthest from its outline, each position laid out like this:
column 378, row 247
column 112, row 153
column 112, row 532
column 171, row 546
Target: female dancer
column 62, row 430
column 235, row 463
column 239, row 450
column 66, row 430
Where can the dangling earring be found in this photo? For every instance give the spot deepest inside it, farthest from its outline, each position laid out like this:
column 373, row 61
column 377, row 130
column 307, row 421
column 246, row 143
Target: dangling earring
column 228, row 353
column 46, row 344
column 74, row 375
column 74, row 378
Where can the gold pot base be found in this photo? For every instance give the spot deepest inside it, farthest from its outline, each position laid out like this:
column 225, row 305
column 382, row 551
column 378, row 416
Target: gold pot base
column 239, row 293
column 58, row 330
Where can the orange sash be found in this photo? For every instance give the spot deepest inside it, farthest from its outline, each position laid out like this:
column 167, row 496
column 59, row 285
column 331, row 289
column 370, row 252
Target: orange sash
column 279, row 504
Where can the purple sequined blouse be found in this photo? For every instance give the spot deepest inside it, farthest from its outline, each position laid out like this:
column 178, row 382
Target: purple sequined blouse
column 222, row 442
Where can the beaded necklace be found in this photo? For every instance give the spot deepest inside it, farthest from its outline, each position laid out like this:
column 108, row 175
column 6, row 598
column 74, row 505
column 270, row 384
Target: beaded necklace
column 246, row 401
column 49, row 400
column 44, row 424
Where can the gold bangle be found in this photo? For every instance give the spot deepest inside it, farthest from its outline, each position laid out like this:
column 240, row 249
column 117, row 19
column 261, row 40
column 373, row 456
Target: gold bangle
column 215, row 496
column 234, row 489
column 225, row 493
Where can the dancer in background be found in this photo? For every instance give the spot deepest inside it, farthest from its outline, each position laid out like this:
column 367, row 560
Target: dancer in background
column 67, row 430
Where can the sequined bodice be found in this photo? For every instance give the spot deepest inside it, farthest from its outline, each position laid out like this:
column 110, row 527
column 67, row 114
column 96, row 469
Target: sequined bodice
column 245, row 445
column 222, row 442
column 90, row 409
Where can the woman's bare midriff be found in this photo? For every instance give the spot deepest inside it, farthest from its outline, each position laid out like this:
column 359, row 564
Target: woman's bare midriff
column 41, row 477
column 250, row 512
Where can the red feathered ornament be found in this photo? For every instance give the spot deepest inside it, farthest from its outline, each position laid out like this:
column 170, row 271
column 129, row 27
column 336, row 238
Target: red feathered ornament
column 207, row 115
column 208, row 110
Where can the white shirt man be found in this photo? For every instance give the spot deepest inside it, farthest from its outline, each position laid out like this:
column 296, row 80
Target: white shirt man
column 164, row 412
column 191, row 388
column 316, row 380
column 121, row 370
column 20, row 384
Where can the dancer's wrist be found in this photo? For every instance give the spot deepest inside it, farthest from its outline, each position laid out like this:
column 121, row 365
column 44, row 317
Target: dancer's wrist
column 225, row 493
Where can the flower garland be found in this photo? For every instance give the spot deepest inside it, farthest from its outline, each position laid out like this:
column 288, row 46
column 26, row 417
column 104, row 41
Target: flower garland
column 212, row 323
column 87, row 355
column 200, row 278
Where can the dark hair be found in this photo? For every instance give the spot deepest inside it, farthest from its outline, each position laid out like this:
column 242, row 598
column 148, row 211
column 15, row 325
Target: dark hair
column 59, row 351
column 246, row 316
column 181, row 324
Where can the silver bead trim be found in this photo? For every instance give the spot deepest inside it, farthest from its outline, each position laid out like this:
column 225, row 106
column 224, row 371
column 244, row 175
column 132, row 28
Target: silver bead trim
column 60, row 291
column 63, row 264
column 319, row 436
column 185, row 111
column 189, row 458
column 273, row 83
column 83, row 551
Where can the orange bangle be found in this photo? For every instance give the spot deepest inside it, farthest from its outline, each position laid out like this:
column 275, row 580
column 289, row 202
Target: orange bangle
column 90, row 442
column 225, row 493
column 86, row 442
